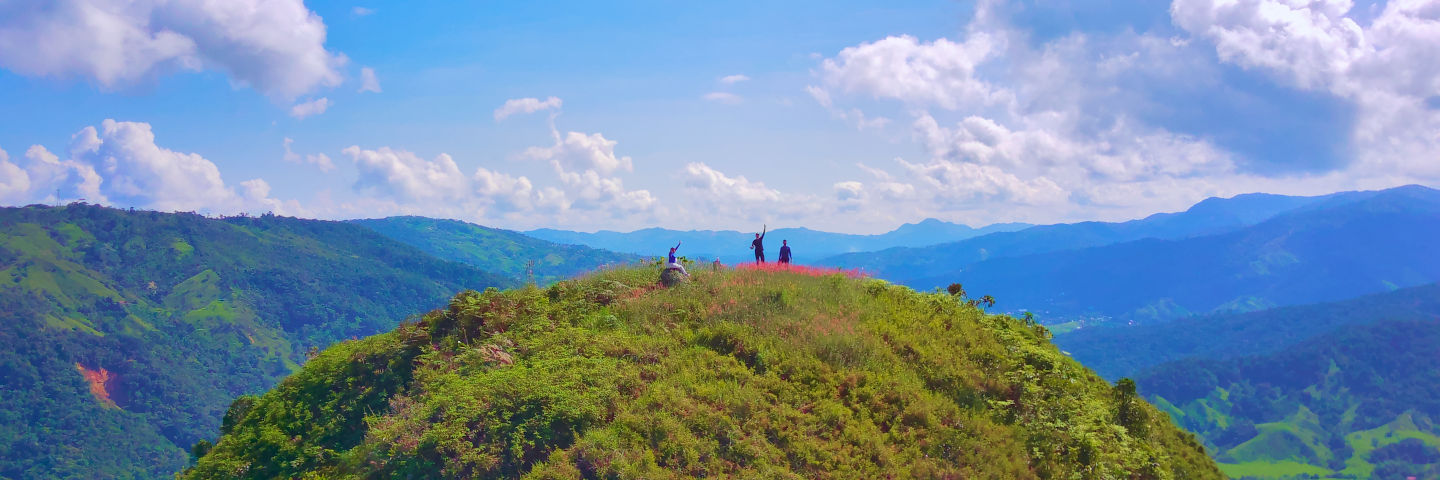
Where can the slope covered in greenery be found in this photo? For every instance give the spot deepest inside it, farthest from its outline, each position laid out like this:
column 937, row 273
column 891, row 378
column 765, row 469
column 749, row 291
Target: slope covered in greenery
column 126, row 334
column 736, row 373
column 1124, row 350
column 495, row 250
column 1336, row 404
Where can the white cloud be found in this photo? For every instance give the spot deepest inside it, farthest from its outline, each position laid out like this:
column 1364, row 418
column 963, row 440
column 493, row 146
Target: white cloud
column 850, row 191
column 733, row 79
column 939, row 73
column 120, row 164
column 14, row 181
column 397, row 181
column 722, row 97
column 820, row 95
column 317, row 159
column 313, row 107
column 525, row 105
column 404, row 176
column 721, row 196
column 362, row 11
column 516, row 194
column 1389, row 69
column 274, row 46
column 368, row 81
column 578, row 151
column 1038, row 132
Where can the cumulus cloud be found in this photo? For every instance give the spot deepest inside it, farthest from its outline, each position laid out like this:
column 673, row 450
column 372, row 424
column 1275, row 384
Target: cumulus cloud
column 736, row 197
column 14, row 181
column 722, row 97
column 579, row 151
column 1389, row 69
column 368, row 81
column 586, row 191
column 404, row 176
column 121, row 164
column 1049, row 130
column 733, row 79
column 320, row 160
column 526, row 105
column 313, row 107
column 274, row 46
column 939, row 73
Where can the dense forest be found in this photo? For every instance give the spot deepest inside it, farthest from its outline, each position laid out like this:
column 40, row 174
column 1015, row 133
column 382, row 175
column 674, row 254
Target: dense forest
column 128, row 333
column 735, row 373
column 1117, row 351
column 1333, row 404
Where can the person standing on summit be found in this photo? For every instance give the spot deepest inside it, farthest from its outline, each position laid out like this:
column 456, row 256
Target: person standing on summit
column 785, row 252
column 758, row 245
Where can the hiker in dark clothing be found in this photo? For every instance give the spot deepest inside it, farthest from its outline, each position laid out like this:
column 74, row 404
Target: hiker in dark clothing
column 785, row 252
column 759, row 245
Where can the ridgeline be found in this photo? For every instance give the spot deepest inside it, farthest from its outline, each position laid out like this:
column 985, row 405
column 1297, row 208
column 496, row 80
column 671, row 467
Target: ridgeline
column 736, row 373
column 126, row 334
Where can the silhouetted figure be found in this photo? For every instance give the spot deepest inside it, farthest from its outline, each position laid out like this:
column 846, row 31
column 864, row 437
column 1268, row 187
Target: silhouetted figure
column 785, row 251
column 759, row 245
column 674, row 264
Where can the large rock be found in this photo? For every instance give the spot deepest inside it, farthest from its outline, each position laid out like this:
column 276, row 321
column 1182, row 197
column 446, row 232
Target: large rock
column 671, row 277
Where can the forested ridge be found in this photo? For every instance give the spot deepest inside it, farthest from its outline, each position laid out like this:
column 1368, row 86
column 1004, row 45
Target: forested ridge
column 179, row 313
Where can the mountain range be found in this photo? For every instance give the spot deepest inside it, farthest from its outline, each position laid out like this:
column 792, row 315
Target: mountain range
column 128, row 333
column 1321, row 248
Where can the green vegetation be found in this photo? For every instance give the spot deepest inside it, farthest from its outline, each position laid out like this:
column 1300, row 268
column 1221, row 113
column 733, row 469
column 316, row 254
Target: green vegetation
column 736, row 373
column 494, row 250
column 1324, row 406
column 1116, row 351
column 182, row 313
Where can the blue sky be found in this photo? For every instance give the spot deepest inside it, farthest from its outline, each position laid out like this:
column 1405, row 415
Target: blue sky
column 845, row 116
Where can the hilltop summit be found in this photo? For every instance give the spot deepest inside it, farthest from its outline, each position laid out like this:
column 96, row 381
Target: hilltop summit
column 737, row 373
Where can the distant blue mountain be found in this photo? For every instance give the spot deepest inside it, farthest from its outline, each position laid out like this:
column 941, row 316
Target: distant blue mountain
column 731, row 246
column 1337, row 246
column 1125, row 350
column 1213, row 215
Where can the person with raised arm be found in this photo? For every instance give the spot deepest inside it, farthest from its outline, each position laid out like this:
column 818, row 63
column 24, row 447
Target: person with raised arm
column 758, row 245
column 674, row 264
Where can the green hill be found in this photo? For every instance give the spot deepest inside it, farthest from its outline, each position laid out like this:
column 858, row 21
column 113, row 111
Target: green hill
column 495, row 250
column 1336, row 404
column 126, row 334
column 737, row 373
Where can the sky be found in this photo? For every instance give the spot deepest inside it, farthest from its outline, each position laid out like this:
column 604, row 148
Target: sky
column 834, row 115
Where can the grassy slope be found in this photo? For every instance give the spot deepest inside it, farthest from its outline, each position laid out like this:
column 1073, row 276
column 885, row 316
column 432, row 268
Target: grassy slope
column 494, row 250
column 186, row 313
column 738, row 373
